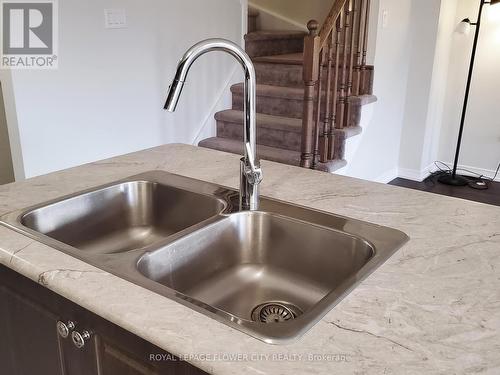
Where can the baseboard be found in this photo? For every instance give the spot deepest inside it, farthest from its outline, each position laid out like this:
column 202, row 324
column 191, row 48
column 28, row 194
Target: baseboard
column 387, row 176
column 465, row 170
column 414, row 174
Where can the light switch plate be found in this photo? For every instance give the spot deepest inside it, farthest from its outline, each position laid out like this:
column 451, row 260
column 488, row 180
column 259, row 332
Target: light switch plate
column 385, row 19
column 115, row 18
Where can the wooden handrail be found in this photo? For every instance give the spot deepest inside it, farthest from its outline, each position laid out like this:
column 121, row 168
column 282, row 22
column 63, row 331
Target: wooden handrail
column 330, row 21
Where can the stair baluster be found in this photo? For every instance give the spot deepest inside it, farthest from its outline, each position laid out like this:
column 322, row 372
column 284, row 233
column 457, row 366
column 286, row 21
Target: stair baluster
column 361, row 16
column 341, row 111
column 353, row 12
column 335, row 91
column 365, row 89
column 353, row 16
column 311, row 73
column 319, row 94
column 327, row 121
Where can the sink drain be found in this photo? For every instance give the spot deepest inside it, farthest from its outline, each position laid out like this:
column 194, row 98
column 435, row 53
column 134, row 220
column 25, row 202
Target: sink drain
column 275, row 312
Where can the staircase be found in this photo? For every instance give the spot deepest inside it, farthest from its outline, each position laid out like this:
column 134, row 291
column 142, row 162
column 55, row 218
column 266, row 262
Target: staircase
column 293, row 126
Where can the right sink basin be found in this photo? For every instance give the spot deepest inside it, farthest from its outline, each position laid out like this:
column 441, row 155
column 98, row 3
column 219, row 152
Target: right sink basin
column 274, row 276
column 259, row 267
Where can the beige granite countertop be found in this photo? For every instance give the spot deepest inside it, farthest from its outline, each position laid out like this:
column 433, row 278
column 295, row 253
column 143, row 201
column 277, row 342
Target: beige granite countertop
column 433, row 308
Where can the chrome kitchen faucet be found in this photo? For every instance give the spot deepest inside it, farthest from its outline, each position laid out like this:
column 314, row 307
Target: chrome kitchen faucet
column 251, row 173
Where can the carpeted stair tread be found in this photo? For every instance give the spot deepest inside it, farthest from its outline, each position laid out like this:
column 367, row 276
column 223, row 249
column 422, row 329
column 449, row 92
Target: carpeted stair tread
column 296, row 93
column 267, row 153
column 274, row 34
column 362, row 99
column 287, row 58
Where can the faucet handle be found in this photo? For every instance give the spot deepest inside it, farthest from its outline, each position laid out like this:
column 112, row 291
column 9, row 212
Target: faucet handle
column 250, row 178
column 253, row 174
column 252, row 169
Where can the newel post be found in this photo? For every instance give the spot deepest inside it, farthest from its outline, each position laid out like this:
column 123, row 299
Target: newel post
column 311, row 76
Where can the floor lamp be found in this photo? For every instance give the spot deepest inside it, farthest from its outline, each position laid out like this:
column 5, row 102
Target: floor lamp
column 452, row 178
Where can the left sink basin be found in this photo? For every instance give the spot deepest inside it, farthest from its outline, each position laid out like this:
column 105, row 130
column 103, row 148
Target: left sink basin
column 122, row 217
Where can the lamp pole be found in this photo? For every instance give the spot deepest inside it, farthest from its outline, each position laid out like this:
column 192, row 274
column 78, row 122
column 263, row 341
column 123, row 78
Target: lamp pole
column 454, row 179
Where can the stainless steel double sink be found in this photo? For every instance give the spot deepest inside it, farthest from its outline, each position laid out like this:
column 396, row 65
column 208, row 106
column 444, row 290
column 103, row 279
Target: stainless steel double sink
column 272, row 273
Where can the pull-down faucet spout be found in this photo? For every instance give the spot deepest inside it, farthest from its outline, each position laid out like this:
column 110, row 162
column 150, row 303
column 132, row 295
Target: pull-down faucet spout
column 250, row 171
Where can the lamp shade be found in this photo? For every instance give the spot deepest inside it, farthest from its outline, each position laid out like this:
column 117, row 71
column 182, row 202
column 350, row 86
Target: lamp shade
column 464, row 27
column 494, row 2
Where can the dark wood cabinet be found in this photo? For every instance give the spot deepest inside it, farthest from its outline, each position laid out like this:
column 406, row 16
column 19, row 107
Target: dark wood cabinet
column 27, row 328
column 31, row 344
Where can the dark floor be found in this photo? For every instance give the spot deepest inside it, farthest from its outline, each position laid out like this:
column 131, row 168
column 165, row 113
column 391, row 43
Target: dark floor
column 490, row 196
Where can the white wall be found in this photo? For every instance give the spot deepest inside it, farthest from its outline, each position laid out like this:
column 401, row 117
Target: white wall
column 440, row 77
column 12, row 126
column 374, row 155
column 106, row 98
column 481, row 141
column 437, row 76
column 428, row 73
column 436, row 87
column 6, row 167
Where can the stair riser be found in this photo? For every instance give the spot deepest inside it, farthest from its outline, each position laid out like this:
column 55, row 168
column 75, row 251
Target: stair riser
column 256, row 48
column 279, row 74
column 265, row 136
column 367, row 78
column 272, row 106
column 293, row 108
column 339, row 145
column 276, row 138
column 290, row 75
column 353, row 112
column 286, row 75
column 252, row 23
column 277, row 155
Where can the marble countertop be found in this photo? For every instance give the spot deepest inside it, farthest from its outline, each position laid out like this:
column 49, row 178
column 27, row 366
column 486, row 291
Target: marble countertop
column 434, row 307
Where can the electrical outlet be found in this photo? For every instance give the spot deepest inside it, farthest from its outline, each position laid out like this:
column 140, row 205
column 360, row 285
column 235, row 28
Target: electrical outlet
column 115, row 18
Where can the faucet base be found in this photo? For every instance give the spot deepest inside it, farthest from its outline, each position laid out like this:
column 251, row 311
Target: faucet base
column 249, row 186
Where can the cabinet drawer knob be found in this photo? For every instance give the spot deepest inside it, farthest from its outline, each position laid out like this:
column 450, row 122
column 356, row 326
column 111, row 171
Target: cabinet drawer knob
column 79, row 339
column 64, row 329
